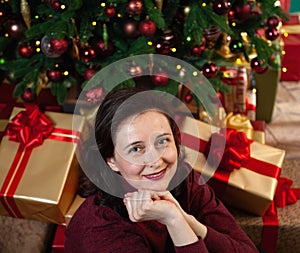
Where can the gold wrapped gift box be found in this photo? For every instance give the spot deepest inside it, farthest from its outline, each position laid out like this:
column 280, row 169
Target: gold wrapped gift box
column 44, row 186
column 288, row 228
column 251, row 189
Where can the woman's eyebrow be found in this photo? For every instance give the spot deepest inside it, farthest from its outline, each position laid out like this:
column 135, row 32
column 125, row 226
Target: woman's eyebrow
column 132, row 144
column 163, row 134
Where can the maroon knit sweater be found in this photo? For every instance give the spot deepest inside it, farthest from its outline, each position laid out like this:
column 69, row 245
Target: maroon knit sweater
column 100, row 229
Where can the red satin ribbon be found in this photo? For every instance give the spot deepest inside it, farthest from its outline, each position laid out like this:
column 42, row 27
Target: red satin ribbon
column 19, row 130
column 285, row 195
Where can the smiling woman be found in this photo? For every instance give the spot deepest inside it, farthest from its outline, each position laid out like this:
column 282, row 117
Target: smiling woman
column 166, row 206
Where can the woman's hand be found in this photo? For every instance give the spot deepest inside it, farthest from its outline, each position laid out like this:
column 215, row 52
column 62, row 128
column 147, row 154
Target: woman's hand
column 145, row 205
column 198, row 228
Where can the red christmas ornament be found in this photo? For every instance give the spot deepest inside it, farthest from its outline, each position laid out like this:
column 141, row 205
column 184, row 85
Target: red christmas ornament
column 102, row 49
column 147, row 28
column 258, row 66
column 54, row 75
column 197, row 50
column 160, row 79
column 130, row 28
column 230, row 15
column 28, row 96
column 221, row 7
column 87, row 54
column 95, row 95
column 273, row 22
column 162, row 48
column 188, row 98
column 89, row 73
column 110, row 11
column 209, row 70
column 25, row 50
column 242, row 11
column 56, row 6
column 272, row 34
column 15, row 29
column 134, row 7
column 59, row 46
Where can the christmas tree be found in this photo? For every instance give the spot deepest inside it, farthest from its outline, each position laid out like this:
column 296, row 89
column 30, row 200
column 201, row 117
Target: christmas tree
column 58, row 43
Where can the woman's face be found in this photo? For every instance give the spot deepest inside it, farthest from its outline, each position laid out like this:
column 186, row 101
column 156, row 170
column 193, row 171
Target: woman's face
column 145, row 151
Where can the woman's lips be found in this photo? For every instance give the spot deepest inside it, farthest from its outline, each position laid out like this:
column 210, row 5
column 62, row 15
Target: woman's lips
column 156, row 176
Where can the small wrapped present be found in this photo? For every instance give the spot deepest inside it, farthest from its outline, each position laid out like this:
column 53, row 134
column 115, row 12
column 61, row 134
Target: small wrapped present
column 59, row 238
column 285, row 5
column 242, row 172
column 236, row 78
column 291, row 41
column 290, row 60
column 266, row 94
column 39, row 170
column 74, row 206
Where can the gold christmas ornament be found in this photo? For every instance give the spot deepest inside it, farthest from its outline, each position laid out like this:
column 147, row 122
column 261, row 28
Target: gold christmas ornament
column 25, row 11
column 135, row 70
column 159, row 4
column 75, row 41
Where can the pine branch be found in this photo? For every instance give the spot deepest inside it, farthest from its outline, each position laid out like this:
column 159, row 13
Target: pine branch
column 154, row 14
column 140, row 46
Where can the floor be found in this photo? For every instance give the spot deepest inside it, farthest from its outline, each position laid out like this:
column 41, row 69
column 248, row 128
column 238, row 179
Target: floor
column 284, row 129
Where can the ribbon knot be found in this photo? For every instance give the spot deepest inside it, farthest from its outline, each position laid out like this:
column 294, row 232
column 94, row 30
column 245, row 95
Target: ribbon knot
column 229, row 148
column 285, row 195
column 30, row 127
column 240, row 123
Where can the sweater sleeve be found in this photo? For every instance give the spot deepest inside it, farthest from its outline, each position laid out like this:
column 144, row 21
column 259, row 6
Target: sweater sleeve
column 223, row 232
column 195, row 247
column 101, row 230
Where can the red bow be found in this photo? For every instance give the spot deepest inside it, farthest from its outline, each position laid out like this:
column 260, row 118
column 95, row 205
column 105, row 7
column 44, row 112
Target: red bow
column 229, row 149
column 30, row 127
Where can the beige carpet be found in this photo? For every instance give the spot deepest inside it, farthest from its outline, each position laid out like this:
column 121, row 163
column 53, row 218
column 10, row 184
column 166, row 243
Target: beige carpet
column 284, row 129
column 26, row 236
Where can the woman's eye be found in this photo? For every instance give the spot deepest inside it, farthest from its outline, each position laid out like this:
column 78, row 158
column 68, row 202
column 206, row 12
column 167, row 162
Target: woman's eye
column 163, row 141
column 135, row 149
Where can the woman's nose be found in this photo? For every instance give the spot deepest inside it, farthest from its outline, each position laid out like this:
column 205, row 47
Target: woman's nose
column 153, row 157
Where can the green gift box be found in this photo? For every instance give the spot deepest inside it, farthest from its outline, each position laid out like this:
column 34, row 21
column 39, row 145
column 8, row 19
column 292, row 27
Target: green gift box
column 266, row 86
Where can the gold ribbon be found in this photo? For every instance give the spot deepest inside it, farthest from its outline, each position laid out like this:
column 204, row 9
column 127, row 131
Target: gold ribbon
column 293, row 29
column 240, row 123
